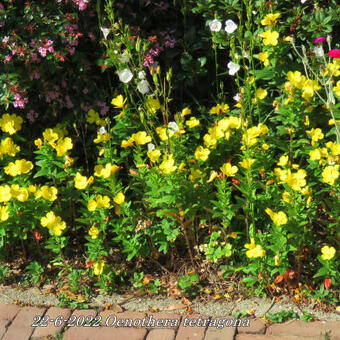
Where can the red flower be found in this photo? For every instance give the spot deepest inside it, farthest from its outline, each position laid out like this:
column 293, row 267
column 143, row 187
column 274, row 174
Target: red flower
column 334, row 53
column 328, row 283
column 89, row 263
column 37, row 235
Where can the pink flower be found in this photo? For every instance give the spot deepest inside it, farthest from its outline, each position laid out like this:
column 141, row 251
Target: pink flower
column 104, row 110
column 91, row 36
column 7, row 58
column 334, row 53
column 148, row 60
column 32, row 115
column 319, row 40
column 69, row 103
column 42, row 51
column 82, row 5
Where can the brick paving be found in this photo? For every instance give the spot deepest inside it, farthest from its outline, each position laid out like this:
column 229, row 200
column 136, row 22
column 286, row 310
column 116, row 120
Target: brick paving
column 16, row 324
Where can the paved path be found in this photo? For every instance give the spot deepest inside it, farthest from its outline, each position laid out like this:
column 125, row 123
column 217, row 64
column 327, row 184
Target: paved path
column 16, row 324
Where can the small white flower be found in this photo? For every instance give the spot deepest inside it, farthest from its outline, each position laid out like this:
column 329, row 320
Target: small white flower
column 230, row 26
column 303, row 1
column 172, row 127
column 105, row 31
column 125, row 76
column 237, row 97
column 102, row 130
column 143, row 86
column 151, row 146
column 125, row 57
column 141, row 75
column 318, row 51
column 215, row 25
column 233, row 68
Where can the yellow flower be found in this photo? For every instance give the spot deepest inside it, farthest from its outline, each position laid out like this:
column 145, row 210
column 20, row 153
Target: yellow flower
column 8, row 147
column 61, row 130
column 270, row 19
column 4, row 215
column 38, row 142
column 213, row 175
column 103, row 201
column 186, row 111
column 105, row 172
column 296, row 79
column 283, row 161
column 118, row 102
column 209, row 141
column 334, row 147
column 254, row 250
column 195, row 174
column 235, row 122
column 201, row 153
column 307, row 122
column 91, row 205
column 327, row 252
column 261, row 93
column 141, row 138
column 21, row 166
column 98, row 267
column 154, row 155
column 49, row 193
column 277, row 260
column 5, row 193
column 315, row 155
column 94, row 232
column 21, row 194
column 330, row 174
column 181, row 167
column 10, row 123
column 269, row 37
column 192, row 122
column 152, row 104
column 63, row 145
column 332, row 68
column 229, row 170
column 250, row 245
column 296, row 180
column 219, row 108
column 316, row 134
column 265, row 146
column 127, row 143
column 161, row 131
column 279, row 218
column 247, row 163
column 120, row 198
column 81, row 182
column 286, row 197
column 309, row 87
column 50, row 136
column 216, row 132
column 102, row 137
column 332, row 122
column 263, row 56
column 167, row 166
column 92, row 116
column 336, row 89
column 53, row 223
